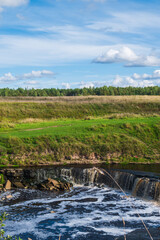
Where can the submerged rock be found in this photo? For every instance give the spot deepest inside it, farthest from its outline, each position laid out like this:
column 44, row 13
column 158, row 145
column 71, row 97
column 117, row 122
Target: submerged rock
column 140, row 234
column 9, row 196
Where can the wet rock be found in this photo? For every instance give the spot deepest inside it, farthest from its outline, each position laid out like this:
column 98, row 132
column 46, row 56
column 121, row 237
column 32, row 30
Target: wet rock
column 14, row 173
column 140, row 234
column 29, row 173
column 52, row 211
column 8, row 185
column 18, row 185
column 52, row 184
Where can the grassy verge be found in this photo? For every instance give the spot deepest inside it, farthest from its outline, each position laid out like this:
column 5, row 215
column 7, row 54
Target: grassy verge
column 124, row 139
column 79, row 129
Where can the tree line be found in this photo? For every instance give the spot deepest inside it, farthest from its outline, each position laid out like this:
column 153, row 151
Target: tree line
column 99, row 91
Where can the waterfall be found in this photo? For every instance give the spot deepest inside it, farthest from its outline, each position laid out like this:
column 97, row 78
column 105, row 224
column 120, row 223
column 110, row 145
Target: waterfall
column 139, row 186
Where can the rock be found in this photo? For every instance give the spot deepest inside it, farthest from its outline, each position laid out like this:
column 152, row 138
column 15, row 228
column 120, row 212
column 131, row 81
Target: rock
column 18, row 184
column 67, row 185
column 8, row 185
column 52, row 184
column 140, row 234
column 52, row 211
column 14, row 173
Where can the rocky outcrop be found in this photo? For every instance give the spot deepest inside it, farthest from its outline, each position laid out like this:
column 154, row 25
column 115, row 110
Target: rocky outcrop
column 19, row 178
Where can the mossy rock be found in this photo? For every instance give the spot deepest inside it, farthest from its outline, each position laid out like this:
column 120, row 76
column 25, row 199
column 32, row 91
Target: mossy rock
column 2, row 181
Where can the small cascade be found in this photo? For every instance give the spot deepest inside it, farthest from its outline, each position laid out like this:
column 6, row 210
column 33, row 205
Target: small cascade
column 140, row 186
column 157, row 191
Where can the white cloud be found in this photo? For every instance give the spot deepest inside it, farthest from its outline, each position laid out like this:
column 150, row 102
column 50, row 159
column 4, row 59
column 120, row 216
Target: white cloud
column 86, row 84
column 37, row 74
column 8, row 77
column 75, row 34
column 154, row 76
column 129, row 57
column 31, row 82
column 12, row 3
column 127, row 22
column 113, row 55
column 137, row 80
column 44, row 51
column 66, row 85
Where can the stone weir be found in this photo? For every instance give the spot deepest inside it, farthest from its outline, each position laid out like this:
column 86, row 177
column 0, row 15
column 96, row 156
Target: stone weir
column 141, row 185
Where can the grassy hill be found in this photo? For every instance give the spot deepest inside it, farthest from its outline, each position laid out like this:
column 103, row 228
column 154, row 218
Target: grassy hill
column 79, row 129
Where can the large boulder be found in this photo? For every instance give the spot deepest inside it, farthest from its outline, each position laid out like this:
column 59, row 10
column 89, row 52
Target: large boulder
column 8, row 185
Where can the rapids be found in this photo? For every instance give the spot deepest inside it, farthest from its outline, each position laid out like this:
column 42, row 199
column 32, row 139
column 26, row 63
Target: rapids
column 83, row 213
column 94, row 208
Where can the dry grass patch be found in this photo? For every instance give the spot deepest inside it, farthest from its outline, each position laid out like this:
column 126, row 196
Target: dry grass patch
column 86, row 99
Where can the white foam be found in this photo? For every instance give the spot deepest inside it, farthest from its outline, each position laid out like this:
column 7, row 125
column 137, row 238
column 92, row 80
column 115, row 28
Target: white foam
column 74, row 209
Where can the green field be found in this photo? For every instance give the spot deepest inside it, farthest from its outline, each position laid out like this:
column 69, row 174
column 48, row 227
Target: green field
column 119, row 129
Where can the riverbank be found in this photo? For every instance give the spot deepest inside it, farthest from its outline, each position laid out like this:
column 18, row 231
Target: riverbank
column 93, row 141
column 80, row 130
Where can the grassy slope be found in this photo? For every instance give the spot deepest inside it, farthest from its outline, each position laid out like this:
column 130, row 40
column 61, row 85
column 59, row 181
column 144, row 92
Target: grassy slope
column 78, row 107
column 107, row 129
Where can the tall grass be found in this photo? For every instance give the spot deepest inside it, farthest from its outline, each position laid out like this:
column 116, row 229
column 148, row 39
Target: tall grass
column 78, row 107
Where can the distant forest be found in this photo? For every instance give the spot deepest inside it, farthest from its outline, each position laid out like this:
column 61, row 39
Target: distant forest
column 99, row 91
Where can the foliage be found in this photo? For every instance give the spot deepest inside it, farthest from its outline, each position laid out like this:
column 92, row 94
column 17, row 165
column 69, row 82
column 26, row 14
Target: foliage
column 100, row 91
column 3, row 217
column 2, row 181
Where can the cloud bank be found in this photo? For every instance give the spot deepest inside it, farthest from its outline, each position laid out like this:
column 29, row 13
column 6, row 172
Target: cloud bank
column 138, row 80
column 37, row 74
column 127, row 56
column 8, row 77
column 135, row 80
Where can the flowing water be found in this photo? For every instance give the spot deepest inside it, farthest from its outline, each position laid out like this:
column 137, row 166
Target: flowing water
column 83, row 213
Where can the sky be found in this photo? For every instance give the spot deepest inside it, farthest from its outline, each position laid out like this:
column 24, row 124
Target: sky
column 79, row 43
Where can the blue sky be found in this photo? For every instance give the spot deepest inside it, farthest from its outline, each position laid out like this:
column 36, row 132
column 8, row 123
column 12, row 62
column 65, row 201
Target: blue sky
column 79, row 43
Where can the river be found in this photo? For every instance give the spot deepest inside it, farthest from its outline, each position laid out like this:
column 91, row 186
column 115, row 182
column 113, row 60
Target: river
column 85, row 212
